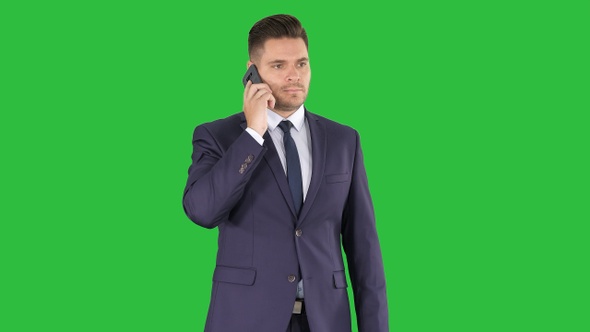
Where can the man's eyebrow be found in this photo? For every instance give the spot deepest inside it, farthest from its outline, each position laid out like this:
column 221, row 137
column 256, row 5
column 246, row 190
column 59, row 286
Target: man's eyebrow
column 279, row 61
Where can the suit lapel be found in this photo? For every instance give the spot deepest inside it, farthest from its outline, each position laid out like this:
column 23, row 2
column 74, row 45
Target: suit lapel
column 318, row 154
column 272, row 158
column 274, row 163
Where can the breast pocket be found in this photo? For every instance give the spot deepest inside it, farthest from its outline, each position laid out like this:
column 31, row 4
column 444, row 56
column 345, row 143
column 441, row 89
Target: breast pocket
column 337, row 178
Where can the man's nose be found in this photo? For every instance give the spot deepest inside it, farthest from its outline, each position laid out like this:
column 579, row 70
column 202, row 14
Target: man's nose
column 293, row 74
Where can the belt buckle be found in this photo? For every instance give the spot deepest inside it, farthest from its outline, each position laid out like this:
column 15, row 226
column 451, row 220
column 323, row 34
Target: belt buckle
column 297, row 308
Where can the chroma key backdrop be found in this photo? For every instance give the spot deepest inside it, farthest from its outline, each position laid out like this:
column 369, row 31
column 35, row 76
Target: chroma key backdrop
column 473, row 118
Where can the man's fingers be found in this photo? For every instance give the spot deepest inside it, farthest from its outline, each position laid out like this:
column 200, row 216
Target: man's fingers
column 247, row 87
column 262, row 94
column 253, row 89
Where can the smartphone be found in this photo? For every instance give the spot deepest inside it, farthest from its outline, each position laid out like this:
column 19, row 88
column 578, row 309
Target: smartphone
column 252, row 75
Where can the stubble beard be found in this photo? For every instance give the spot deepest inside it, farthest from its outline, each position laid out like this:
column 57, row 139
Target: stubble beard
column 289, row 103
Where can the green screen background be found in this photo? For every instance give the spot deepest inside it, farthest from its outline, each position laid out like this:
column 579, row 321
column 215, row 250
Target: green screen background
column 472, row 115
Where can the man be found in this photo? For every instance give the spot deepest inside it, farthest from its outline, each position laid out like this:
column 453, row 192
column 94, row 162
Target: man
column 286, row 188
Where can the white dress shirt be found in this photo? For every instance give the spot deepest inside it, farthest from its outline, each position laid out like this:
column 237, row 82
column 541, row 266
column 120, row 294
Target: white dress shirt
column 302, row 138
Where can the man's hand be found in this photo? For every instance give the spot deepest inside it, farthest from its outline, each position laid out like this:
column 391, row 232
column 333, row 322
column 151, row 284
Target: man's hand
column 257, row 97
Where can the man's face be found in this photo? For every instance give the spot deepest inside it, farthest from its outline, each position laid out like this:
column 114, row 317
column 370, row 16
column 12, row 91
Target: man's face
column 283, row 64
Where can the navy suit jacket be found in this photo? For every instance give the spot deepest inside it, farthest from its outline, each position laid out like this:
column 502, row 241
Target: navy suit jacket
column 264, row 248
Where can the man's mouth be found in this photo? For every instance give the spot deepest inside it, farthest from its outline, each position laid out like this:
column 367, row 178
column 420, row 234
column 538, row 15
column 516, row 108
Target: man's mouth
column 293, row 89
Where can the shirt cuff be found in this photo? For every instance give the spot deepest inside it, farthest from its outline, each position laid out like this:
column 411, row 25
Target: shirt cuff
column 255, row 135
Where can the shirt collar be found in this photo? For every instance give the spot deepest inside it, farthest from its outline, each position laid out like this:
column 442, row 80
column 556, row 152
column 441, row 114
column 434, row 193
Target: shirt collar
column 297, row 119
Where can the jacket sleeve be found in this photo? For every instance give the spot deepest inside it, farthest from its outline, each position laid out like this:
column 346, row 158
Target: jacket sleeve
column 361, row 244
column 218, row 175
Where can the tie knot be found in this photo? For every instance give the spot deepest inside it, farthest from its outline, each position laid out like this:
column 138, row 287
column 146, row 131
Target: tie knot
column 286, row 126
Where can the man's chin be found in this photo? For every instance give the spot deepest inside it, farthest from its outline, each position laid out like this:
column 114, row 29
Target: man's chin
column 290, row 105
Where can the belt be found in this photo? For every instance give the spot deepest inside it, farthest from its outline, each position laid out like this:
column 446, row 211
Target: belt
column 298, row 307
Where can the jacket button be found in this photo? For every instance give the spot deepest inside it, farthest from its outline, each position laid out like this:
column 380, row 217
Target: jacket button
column 291, row 278
column 298, row 232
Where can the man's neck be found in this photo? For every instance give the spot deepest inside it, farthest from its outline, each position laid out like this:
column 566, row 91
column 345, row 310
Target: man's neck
column 285, row 113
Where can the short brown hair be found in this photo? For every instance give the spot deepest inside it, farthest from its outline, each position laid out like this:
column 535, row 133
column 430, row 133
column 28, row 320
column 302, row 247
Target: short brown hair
column 276, row 26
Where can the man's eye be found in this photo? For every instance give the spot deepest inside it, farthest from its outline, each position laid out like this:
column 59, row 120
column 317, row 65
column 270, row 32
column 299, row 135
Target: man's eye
column 302, row 64
column 277, row 66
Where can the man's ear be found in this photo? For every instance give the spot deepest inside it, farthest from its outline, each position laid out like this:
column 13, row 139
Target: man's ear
column 249, row 63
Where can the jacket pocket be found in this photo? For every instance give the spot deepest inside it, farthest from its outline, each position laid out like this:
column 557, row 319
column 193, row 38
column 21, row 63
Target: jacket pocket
column 234, row 275
column 335, row 178
column 340, row 279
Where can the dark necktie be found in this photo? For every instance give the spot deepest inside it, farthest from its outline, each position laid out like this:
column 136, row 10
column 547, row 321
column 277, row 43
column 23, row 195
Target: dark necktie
column 293, row 165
